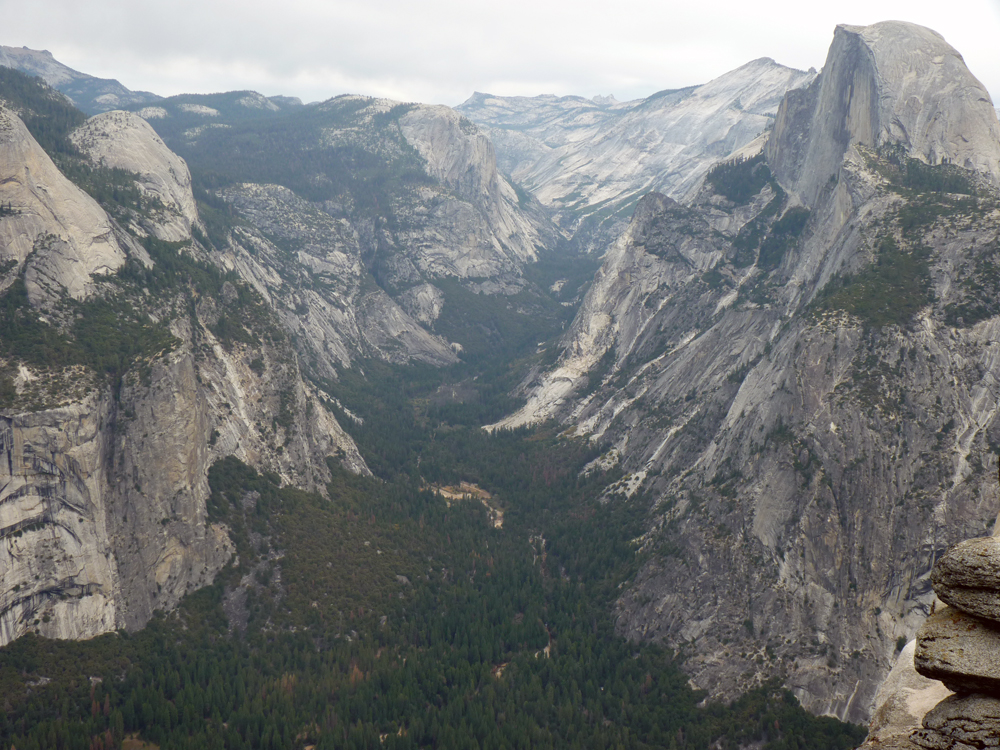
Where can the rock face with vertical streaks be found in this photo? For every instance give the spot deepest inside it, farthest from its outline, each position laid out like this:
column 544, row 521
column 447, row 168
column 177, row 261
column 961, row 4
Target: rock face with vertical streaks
column 892, row 82
column 104, row 481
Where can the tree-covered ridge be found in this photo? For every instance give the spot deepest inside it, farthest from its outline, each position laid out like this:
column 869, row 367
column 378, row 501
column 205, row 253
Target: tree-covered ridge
column 48, row 115
column 345, row 150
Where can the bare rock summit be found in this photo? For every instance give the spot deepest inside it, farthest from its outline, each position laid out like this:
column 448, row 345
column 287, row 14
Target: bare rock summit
column 891, row 82
column 58, row 231
column 124, row 140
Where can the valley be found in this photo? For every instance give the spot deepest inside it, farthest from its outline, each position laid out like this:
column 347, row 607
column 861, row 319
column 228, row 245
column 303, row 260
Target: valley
column 544, row 422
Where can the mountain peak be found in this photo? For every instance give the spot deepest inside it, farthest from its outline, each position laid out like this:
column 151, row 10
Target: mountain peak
column 891, row 82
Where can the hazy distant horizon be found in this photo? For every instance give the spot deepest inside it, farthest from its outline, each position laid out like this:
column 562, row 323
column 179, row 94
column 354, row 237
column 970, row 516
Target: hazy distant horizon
column 443, row 51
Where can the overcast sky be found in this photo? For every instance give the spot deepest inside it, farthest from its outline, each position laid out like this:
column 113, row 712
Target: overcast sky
column 441, row 51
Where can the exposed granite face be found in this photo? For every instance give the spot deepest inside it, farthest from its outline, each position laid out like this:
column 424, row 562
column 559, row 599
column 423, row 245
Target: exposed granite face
column 123, row 140
column 901, row 703
column 56, row 571
column 103, row 489
column 892, row 82
column 967, row 576
column 103, row 503
column 352, row 283
column 423, row 303
column 334, row 308
column 959, row 650
column 57, row 235
column 585, row 158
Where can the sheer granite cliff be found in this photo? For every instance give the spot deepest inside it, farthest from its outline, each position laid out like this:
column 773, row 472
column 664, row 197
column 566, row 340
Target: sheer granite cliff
column 103, row 503
column 805, row 398
column 103, row 477
column 892, row 82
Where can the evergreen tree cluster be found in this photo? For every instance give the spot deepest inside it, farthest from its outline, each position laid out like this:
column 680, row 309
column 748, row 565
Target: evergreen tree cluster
column 740, row 179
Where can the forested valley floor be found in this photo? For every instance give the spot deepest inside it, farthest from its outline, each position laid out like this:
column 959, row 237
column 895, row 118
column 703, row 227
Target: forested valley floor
column 387, row 616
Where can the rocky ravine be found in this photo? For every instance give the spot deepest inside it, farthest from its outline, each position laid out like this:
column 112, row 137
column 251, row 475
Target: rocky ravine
column 805, row 394
column 355, row 265
column 104, row 487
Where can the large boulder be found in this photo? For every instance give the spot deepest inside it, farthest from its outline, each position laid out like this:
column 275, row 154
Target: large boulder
column 959, row 650
column 961, row 721
column 968, row 577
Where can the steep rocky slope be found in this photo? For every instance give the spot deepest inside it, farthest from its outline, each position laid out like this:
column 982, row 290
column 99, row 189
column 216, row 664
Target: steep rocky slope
column 310, row 266
column 122, row 140
column 53, row 232
column 888, row 83
column 589, row 159
column 805, row 396
column 122, row 383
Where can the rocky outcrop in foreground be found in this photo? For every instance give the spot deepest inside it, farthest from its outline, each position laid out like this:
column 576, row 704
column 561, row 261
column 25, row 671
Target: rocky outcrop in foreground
column 959, row 646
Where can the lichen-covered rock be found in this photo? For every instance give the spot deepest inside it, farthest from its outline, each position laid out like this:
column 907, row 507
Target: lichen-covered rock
column 959, row 650
column 967, row 577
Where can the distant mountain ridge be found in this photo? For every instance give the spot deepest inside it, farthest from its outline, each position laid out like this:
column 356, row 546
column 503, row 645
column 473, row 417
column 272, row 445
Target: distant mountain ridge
column 591, row 160
column 90, row 94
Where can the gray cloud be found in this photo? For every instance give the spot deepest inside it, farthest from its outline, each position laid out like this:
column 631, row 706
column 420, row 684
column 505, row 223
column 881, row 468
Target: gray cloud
column 443, row 50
